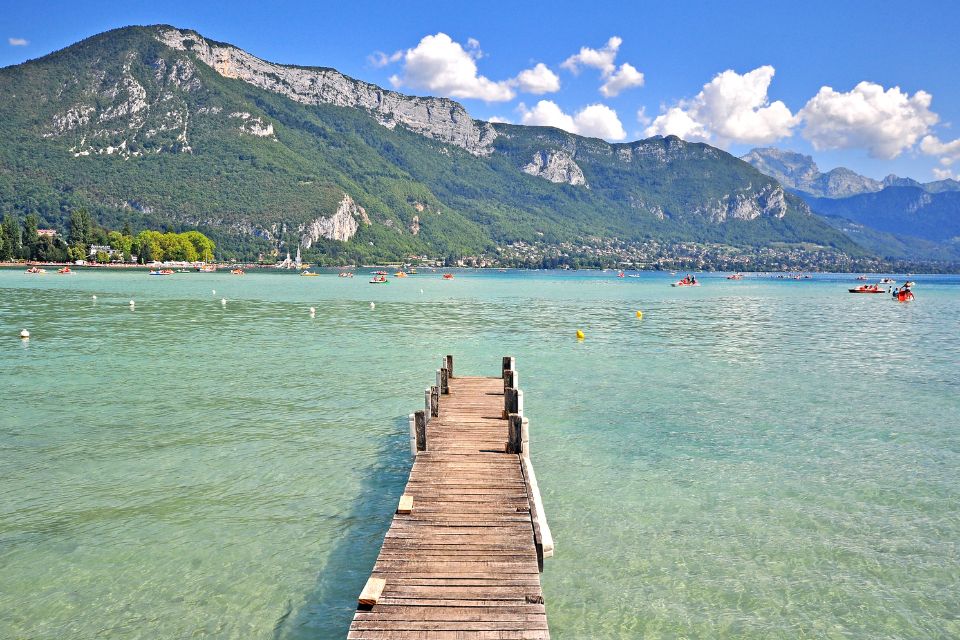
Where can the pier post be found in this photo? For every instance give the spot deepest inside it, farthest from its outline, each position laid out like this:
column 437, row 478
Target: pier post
column 434, row 401
column 445, row 381
column 413, row 435
column 449, row 365
column 509, row 364
column 515, row 435
column 427, row 408
column 509, row 401
column 420, row 426
column 510, row 379
column 524, row 437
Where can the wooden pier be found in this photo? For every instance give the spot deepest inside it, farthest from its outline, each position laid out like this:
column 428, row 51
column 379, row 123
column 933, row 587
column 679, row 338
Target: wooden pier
column 463, row 555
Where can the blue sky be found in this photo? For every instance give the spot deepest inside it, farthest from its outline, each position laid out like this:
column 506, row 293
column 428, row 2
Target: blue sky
column 867, row 85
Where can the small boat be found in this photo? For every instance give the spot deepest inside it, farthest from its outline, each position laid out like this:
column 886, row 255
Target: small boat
column 237, row 272
column 689, row 281
column 182, row 271
column 909, row 283
column 400, row 274
column 448, row 276
column 65, row 271
column 379, row 279
column 735, row 276
column 162, row 272
column 308, row 274
column 621, row 274
column 887, row 281
column 861, row 277
column 345, row 274
column 867, row 288
column 37, row 270
column 501, row 270
column 379, row 273
column 207, row 268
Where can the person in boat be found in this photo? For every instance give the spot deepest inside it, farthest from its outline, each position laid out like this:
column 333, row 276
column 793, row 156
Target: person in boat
column 693, row 279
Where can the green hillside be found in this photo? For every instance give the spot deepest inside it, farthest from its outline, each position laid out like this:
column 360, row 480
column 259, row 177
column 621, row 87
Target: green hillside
column 146, row 134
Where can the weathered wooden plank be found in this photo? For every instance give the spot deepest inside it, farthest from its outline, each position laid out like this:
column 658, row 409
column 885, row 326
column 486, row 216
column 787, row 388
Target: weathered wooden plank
column 372, row 591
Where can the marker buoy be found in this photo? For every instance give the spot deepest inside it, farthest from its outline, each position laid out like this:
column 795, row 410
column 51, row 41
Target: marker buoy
column 373, row 306
column 25, row 334
column 313, row 312
column 640, row 315
column 223, row 302
column 94, row 297
column 580, row 335
column 132, row 303
column 213, row 291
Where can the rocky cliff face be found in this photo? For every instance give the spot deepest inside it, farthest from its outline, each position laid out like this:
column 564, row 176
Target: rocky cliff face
column 769, row 201
column 438, row 118
column 557, row 166
column 342, row 225
column 122, row 116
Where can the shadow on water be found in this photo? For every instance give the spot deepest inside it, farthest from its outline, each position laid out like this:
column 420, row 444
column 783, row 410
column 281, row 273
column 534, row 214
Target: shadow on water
column 328, row 609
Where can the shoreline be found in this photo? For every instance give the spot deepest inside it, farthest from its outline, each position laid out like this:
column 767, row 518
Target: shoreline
column 226, row 267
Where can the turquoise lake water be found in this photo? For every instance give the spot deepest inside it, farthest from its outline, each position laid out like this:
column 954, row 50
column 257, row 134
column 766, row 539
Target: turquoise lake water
column 753, row 459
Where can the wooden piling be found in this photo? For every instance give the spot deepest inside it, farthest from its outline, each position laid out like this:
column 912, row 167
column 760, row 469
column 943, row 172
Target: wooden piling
column 420, row 426
column 444, row 381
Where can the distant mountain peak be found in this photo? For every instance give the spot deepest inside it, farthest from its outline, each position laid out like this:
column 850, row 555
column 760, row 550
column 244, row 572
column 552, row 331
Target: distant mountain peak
column 800, row 173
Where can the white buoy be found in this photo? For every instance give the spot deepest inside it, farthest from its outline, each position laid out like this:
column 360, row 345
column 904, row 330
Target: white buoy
column 25, row 334
column 132, row 303
column 214, row 291
column 313, row 311
column 373, row 306
column 94, row 297
column 421, row 290
column 223, row 302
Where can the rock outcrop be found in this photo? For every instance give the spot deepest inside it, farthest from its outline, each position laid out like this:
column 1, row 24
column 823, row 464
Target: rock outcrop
column 342, row 225
column 555, row 166
column 437, row 118
column 769, row 201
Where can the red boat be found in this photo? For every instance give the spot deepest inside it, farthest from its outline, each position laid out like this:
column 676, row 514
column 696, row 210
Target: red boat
column 735, row 276
column 903, row 294
column 448, row 276
column 867, row 288
column 689, row 281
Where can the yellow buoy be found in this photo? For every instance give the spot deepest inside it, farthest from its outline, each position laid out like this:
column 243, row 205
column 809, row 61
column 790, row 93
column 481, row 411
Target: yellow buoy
column 580, row 335
column 640, row 315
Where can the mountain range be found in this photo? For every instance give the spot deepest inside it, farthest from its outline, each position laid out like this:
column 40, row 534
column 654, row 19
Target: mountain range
column 158, row 126
column 894, row 217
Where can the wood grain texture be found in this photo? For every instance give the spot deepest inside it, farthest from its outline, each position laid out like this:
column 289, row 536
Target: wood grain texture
column 464, row 562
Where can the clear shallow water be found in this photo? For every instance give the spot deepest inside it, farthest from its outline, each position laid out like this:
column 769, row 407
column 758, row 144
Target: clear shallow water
column 754, row 459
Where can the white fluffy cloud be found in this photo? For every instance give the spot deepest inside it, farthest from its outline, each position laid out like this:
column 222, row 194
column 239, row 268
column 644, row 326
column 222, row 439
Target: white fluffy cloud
column 730, row 108
column 442, row 66
column 540, row 79
column 615, row 80
column 18, row 42
column 623, row 78
column 949, row 152
column 601, row 59
column 944, row 174
column 883, row 122
column 595, row 120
